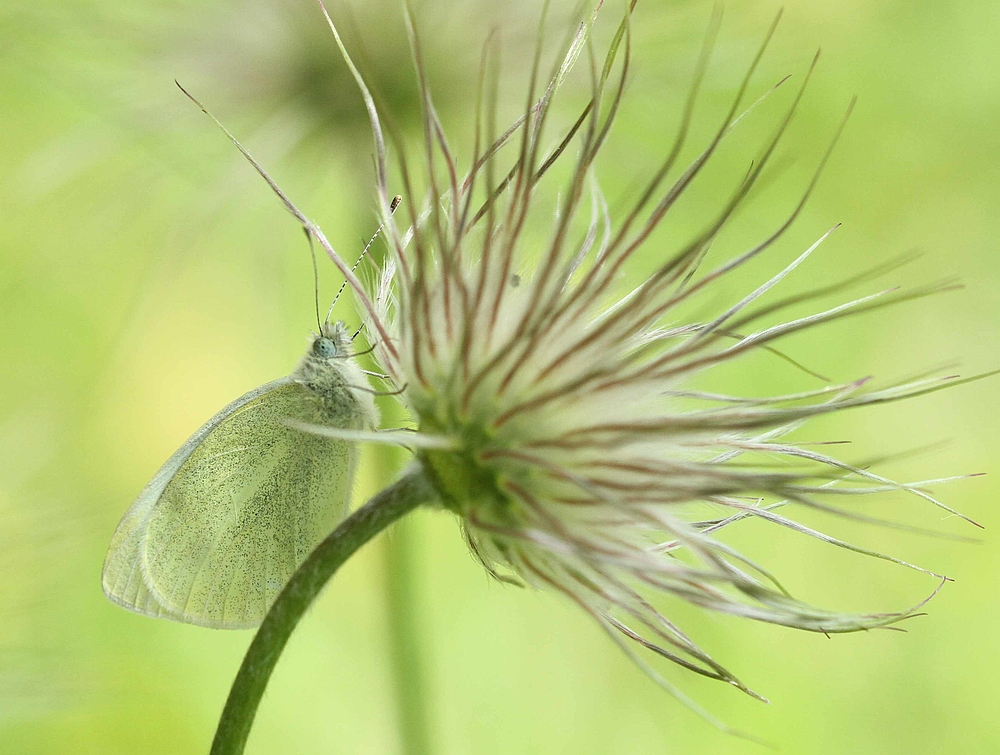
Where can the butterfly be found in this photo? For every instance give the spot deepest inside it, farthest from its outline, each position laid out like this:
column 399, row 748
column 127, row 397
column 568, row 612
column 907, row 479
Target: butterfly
column 215, row 535
column 224, row 523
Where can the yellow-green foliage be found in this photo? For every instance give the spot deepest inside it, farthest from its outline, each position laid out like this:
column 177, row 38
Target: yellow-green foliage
column 147, row 277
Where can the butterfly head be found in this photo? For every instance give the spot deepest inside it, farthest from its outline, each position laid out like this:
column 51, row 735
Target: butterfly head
column 332, row 342
column 329, row 370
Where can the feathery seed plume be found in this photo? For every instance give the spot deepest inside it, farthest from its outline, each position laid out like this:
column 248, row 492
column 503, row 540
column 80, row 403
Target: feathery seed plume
column 556, row 418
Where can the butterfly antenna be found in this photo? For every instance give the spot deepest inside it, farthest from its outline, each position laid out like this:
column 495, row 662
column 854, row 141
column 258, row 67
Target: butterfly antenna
column 392, row 208
column 312, row 251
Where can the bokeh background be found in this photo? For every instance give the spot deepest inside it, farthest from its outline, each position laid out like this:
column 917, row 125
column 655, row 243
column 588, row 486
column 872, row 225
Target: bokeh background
column 147, row 277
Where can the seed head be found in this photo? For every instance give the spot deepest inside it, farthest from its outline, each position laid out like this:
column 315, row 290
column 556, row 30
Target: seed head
column 558, row 418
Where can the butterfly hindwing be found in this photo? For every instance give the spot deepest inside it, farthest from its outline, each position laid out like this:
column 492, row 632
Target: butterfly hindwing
column 122, row 575
column 216, row 534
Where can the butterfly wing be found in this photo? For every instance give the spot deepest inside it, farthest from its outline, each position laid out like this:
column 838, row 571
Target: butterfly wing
column 122, row 575
column 222, row 526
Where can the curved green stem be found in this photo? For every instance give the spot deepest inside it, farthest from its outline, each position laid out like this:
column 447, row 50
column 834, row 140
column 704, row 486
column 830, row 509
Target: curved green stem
column 409, row 492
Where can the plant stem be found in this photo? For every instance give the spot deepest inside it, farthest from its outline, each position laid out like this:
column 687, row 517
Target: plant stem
column 405, row 641
column 401, row 497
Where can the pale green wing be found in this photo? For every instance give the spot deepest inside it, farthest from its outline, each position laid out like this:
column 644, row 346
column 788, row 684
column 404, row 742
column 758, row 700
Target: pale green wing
column 122, row 576
column 220, row 529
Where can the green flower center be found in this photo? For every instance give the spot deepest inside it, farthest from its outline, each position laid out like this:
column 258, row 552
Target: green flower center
column 461, row 478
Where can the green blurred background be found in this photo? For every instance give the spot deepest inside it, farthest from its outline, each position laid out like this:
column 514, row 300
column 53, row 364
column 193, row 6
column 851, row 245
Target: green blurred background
column 147, row 277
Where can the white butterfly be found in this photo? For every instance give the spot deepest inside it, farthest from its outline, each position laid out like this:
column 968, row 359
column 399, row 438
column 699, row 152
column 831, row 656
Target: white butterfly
column 219, row 530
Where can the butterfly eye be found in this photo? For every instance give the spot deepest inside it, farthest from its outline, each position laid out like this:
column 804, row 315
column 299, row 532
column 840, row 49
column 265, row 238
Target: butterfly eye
column 324, row 348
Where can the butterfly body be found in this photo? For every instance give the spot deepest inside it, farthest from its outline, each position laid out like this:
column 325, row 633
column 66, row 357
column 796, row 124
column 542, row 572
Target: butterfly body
column 220, row 528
